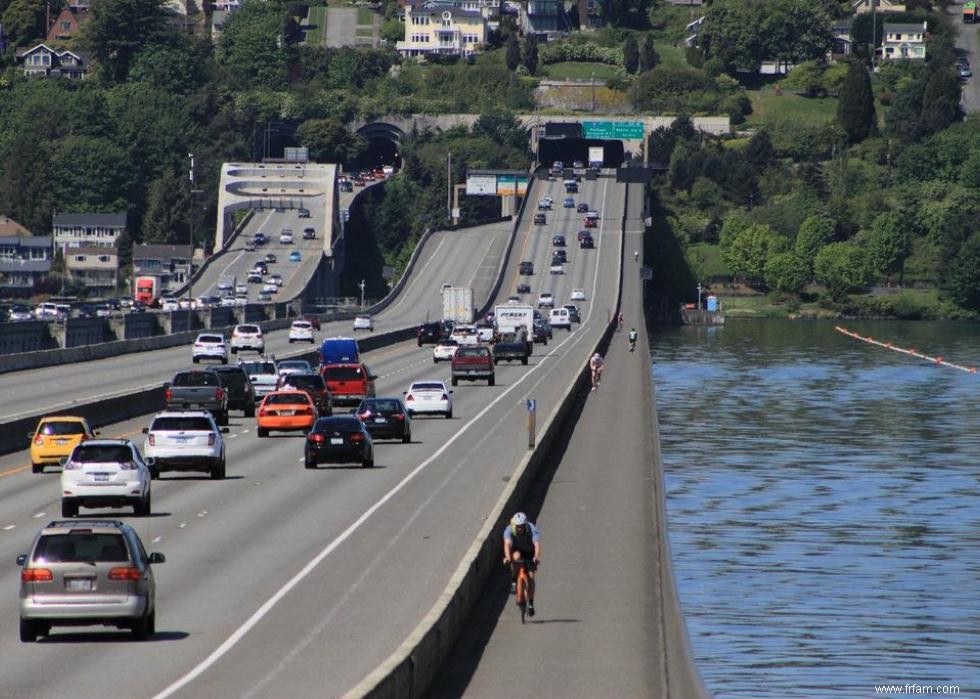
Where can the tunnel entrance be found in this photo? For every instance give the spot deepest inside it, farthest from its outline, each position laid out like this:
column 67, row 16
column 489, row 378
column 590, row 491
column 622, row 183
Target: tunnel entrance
column 380, row 151
column 568, row 150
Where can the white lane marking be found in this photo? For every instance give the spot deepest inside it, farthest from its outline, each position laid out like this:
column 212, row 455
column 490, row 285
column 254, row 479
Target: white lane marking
column 37, row 515
column 416, row 276
column 9, row 527
column 182, row 525
column 404, row 368
column 267, row 606
column 157, row 540
column 231, row 436
column 202, row 514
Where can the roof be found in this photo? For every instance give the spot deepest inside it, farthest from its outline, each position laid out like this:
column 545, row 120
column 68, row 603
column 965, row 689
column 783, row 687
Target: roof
column 144, row 251
column 106, row 220
column 8, row 226
column 916, row 27
column 35, row 241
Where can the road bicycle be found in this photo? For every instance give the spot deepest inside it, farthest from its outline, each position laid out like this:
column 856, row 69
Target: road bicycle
column 523, row 581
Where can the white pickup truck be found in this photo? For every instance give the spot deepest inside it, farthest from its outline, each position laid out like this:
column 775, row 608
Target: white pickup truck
column 263, row 375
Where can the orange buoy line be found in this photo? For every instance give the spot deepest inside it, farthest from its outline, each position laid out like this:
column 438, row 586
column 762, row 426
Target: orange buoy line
column 910, row 352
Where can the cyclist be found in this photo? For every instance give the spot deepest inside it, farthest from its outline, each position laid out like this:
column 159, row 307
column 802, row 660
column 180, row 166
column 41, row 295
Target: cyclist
column 632, row 339
column 620, row 319
column 636, row 256
column 522, row 541
column 595, row 365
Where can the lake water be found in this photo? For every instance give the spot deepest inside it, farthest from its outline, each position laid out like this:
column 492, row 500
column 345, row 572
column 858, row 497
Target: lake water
column 824, row 505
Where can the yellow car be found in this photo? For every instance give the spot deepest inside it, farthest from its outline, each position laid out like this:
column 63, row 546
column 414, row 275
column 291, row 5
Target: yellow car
column 54, row 439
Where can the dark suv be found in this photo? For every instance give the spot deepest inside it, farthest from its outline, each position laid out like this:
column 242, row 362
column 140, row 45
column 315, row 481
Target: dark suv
column 429, row 333
column 527, row 267
column 238, row 387
column 85, row 573
column 315, row 387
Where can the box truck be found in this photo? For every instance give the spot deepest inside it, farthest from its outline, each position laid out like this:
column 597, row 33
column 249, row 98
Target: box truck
column 457, row 304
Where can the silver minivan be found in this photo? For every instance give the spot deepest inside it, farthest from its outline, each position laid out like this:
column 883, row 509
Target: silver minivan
column 86, row 573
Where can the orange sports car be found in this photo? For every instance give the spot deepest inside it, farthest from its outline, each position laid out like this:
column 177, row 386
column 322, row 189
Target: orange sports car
column 286, row 411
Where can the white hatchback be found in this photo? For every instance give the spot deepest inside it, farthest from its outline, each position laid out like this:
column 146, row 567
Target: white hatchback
column 247, row 337
column 444, row 351
column 105, row 473
column 210, row 346
column 301, row 331
column 546, row 300
column 577, row 295
column 428, row 398
column 363, row 323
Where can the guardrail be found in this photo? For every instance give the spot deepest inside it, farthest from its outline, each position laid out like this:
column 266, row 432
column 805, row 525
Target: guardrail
column 196, row 277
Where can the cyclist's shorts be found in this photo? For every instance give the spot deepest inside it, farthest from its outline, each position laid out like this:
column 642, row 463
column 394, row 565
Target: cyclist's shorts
column 529, row 557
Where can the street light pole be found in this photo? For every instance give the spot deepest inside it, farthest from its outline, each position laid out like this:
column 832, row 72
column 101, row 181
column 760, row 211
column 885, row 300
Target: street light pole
column 593, row 90
column 362, row 293
column 700, row 289
column 190, row 260
column 449, row 185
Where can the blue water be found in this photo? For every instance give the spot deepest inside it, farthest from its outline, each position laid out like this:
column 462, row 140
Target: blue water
column 823, row 502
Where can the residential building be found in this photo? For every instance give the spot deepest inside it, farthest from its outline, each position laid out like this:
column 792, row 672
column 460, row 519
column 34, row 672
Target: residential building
column 861, row 7
column 9, row 227
column 88, row 230
column 171, row 263
column 904, row 41
column 440, row 28
column 544, row 17
column 95, row 268
column 66, row 26
column 43, row 60
column 25, row 259
column 843, row 43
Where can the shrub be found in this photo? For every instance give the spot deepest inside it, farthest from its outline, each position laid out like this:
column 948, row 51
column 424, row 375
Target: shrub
column 563, row 51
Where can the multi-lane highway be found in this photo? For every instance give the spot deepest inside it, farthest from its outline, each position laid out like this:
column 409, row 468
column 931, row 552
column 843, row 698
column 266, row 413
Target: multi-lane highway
column 281, row 581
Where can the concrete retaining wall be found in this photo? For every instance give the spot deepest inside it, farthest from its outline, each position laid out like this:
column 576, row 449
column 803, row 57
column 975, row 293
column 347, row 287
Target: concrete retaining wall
column 26, row 336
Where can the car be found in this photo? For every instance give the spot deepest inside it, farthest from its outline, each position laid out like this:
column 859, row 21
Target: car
column 262, row 374
column 527, row 268
column 54, row 438
column 556, row 168
column 558, row 241
column 363, row 322
column 169, row 304
column 188, row 440
column 592, row 219
column 315, row 387
column 385, row 418
column 103, row 311
column 286, row 237
column 239, row 289
column 249, row 246
column 592, row 173
column 338, row 439
column 269, row 289
column 540, row 219
column 303, row 213
column 429, row 333
column 87, row 573
column 568, row 203
column 473, row 363
column 542, row 331
column 444, row 350
column 238, row 388
column 301, row 331
column 484, row 332
column 964, row 71
column 261, row 238
column 292, row 366
column 557, row 268
column 348, row 383
column 230, row 301
column 247, row 336
column 309, row 234
column 429, row 397
column 289, row 410
column 105, row 473
column 275, row 279
column 19, row 312
column 573, row 312
column 254, row 277
column 464, row 334
column 582, row 208
column 210, row 346
column 264, row 296
column 313, row 319
column 270, row 258
column 571, row 187
column 545, row 204
column 295, row 256
column 261, row 267
column 578, row 164
column 559, row 318
column 513, row 300
column 561, row 254
column 587, row 242
column 546, row 299
column 523, row 288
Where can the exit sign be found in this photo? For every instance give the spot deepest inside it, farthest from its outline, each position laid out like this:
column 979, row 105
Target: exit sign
column 613, row 130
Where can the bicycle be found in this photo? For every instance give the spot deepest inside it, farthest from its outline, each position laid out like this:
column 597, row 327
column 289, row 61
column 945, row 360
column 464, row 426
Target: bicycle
column 596, row 378
column 523, row 582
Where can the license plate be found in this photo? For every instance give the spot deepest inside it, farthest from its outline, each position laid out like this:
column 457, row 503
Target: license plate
column 181, row 438
column 336, row 440
column 79, row 584
column 380, row 420
column 61, row 442
column 100, row 477
column 287, row 412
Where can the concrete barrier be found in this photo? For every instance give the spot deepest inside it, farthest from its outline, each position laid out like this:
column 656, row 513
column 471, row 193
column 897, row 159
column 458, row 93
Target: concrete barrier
column 26, row 336
column 87, row 331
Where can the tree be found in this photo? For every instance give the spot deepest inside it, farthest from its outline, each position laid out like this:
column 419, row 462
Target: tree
column 815, row 232
column 251, row 45
column 685, row 166
column 23, row 21
column 649, row 58
column 531, row 54
column 751, row 249
column 168, row 203
column 513, row 52
column 964, row 277
column 940, row 101
column 760, row 152
column 889, row 243
column 807, row 78
column 841, row 267
column 856, row 107
column 787, row 272
column 631, row 55
column 94, row 174
column 329, row 141
column 503, row 128
column 117, row 30
column 176, row 69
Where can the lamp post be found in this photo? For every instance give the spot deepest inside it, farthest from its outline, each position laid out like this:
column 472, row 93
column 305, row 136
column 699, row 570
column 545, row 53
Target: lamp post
column 362, row 293
column 700, row 289
column 593, row 90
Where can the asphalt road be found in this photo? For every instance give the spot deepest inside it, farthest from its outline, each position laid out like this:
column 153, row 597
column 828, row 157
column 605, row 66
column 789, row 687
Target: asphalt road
column 285, row 582
column 967, row 45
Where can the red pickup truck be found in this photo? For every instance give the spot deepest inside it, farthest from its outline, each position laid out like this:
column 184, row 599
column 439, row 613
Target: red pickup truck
column 473, row 363
column 348, row 383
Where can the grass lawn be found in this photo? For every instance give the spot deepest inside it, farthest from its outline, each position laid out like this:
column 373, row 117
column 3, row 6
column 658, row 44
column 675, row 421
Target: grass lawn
column 365, row 16
column 768, row 106
column 317, row 20
column 671, row 55
column 577, row 71
column 705, row 261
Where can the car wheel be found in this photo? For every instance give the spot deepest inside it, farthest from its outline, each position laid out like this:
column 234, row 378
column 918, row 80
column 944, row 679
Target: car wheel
column 224, row 360
column 455, row 381
column 141, row 627
column 368, row 463
column 69, row 508
column 141, row 508
column 491, row 381
column 249, row 410
column 196, row 359
column 407, row 438
column 290, row 340
column 449, row 414
column 309, row 463
column 435, row 361
column 524, row 360
column 154, row 472
column 28, row 631
column 496, row 361
column 218, row 471
column 263, row 432
column 37, row 468
column 234, row 350
column 223, row 418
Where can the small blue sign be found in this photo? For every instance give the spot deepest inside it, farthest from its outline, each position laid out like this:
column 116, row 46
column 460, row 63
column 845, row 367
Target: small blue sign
column 532, row 405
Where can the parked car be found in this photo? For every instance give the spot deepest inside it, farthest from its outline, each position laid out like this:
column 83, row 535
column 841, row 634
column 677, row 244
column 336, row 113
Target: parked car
column 54, row 438
column 185, row 441
column 428, row 397
column 285, row 411
column 86, row 573
column 105, row 473
column 338, row 439
column 385, row 418
column 210, row 346
column 238, row 388
column 247, row 337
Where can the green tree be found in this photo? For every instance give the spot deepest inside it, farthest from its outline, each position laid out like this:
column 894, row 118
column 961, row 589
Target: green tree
column 751, row 249
column 649, row 58
column 177, row 69
column 807, row 78
column 168, row 204
column 503, row 128
column 940, row 101
column 787, row 272
column 94, row 174
column 889, row 243
column 964, row 277
column 814, row 234
column 631, row 55
column 28, row 178
column 513, row 52
column 393, row 30
column 841, row 267
column 23, row 22
column 329, row 140
column 760, row 152
column 685, row 166
column 856, row 107
column 117, row 30
column 531, row 54
column 251, row 45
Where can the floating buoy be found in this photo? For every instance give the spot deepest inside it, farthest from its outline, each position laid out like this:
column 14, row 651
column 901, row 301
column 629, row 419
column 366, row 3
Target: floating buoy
column 911, row 352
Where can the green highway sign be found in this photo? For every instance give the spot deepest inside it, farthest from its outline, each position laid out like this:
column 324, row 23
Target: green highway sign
column 632, row 130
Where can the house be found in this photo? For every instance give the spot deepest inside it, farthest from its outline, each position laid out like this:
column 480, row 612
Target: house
column 861, row 7
column 95, row 268
column 88, row 230
column 543, row 17
column 171, row 263
column 46, row 61
column 692, row 29
column 843, row 43
column 66, row 26
column 25, row 259
column 904, row 41
column 490, row 9
column 441, row 28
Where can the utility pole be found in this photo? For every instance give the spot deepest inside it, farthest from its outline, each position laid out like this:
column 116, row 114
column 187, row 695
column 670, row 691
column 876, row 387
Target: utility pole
column 874, row 34
column 190, row 260
column 449, row 186
column 362, row 293
column 593, row 90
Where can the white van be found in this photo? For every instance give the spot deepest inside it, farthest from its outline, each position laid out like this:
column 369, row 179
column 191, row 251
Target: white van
column 559, row 318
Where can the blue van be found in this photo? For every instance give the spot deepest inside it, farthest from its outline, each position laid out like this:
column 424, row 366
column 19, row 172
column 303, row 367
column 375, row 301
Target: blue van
column 339, row 350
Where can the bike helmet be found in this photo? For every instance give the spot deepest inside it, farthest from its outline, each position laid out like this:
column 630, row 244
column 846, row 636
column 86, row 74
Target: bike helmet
column 519, row 519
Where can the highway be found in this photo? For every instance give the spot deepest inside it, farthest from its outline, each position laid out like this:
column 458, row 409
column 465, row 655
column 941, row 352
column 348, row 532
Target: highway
column 286, row 582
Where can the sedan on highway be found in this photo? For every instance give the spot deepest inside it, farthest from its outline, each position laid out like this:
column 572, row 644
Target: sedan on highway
column 275, row 279
column 270, row 289
column 270, row 258
column 444, row 350
column 546, row 299
column 339, row 439
column 363, row 322
column 386, row 418
column 285, row 411
column 295, row 256
column 582, row 208
column 428, row 398
column 55, row 438
column 578, row 295
column 558, row 241
column 293, row 366
column 105, row 473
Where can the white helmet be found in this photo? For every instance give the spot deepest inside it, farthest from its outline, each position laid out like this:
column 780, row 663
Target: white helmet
column 597, row 356
column 519, row 519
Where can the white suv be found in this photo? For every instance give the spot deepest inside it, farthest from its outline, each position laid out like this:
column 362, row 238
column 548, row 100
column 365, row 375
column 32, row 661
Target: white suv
column 187, row 440
column 105, row 473
column 286, row 237
column 247, row 337
column 210, row 346
column 301, row 331
column 546, row 300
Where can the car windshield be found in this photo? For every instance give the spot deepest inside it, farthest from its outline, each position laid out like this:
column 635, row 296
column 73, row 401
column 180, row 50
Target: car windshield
column 305, row 381
column 302, row 326
column 286, row 398
column 342, row 373
column 259, row 367
column 181, row 424
column 428, row 386
column 102, row 454
column 81, row 547
column 196, row 378
column 62, row 428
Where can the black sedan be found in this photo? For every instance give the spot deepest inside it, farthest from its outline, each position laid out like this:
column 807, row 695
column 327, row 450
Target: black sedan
column 339, row 439
column 385, row 418
column 558, row 241
column 582, row 208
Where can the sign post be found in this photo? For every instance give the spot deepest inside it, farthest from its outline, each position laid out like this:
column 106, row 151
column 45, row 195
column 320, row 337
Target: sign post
column 532, row 411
